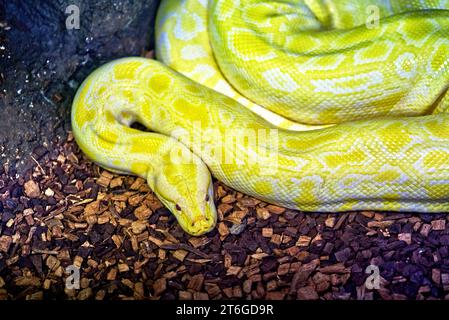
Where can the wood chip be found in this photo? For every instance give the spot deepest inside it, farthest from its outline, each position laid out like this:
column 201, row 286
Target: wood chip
column 276, row 239
column 142, row 212
column 200, row 296
column 275, row 209
column 5, row 242
column 137, row 184
column 104, row 179
column 159, row 286
column 330, row 222
column 438, row 225
column 156, row 241
column 228, row 199
column 180, row 254
column 92, row 208
column 436, row 276
column 335, row 268
column 307, row 293
column 283, row 269
column 85, row 294
column 303, row 241
column 233, row 270
column 123, row 267
column 52, row 263
column 224, row 208
column 118, row 240
column 196, row 282
column 138, row 226
column 368, row 214
column 425, row 229
column 185, row 295
column 213, row 290
column 275, row 295
column 379, row 224
column 263, row 213
column 49, row 192
column 32, row 189
column 112, row 274
column 116, row 182
column 78, row 261
column 406, row 237
column 199, row 242
column 267, row 232
column 223, row 230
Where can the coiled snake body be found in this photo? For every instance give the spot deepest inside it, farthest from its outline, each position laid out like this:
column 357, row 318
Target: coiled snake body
column 315, row 105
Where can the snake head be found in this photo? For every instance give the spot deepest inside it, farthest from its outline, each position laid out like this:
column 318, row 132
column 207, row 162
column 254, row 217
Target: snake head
column 187, row 191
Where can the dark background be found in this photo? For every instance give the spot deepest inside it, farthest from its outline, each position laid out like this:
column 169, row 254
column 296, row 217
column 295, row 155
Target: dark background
column 42, row 63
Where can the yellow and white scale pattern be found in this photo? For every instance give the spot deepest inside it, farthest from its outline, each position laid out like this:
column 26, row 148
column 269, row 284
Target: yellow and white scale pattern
column 359, row 112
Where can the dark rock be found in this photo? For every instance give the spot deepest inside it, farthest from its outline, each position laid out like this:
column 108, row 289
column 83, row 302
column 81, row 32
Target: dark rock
column 409, row 249
column 36, row 260
column 359, row 278
column 84, row 252
column 11, row 204
column 343, row 255
column 43, row 62
column 36, row 202
column 102, row 249
column 427, row 217
column 61, row 175
column 7, row 215
column 17, row 191
column 328, row 247
column 237, row 229
column 70, row 189
column 410, row 289
column 39, row 152
column 248, row 242
column 395, row 228
column 444, row 252
column 444, row 240
column 395, row 245
column 290, row 215
column 215, row 269
column 387, row 270
column 410, row 269
column 81, row 175
column 176, row 284
column 417, row 277
column 94, row 191
column 269, row 264
column 108, row 229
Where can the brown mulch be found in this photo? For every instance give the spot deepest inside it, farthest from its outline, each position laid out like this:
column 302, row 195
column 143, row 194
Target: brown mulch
column 68, row 211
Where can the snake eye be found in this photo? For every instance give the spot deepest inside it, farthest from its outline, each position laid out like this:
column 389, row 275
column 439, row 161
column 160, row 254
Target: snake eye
column 207, row 197
column 178, row 207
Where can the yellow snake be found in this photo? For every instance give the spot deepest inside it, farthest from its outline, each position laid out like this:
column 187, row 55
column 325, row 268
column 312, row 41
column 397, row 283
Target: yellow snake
column 315, row 105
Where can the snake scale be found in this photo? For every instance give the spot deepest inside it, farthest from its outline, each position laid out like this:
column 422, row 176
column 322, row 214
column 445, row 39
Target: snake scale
column 316, row 105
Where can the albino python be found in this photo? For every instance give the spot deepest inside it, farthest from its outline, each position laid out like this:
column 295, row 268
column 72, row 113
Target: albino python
column 316, row 105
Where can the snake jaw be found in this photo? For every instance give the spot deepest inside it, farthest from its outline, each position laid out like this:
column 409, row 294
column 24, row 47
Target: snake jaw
column 203, row 218
column 187, row 191
column 195, row 222
column 200, row 227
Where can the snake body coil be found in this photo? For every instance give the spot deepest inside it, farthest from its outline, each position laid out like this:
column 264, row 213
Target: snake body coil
column 315, row 105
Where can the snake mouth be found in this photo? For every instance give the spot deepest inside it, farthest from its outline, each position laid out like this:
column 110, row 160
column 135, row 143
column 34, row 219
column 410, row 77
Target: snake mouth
column 200, row 226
